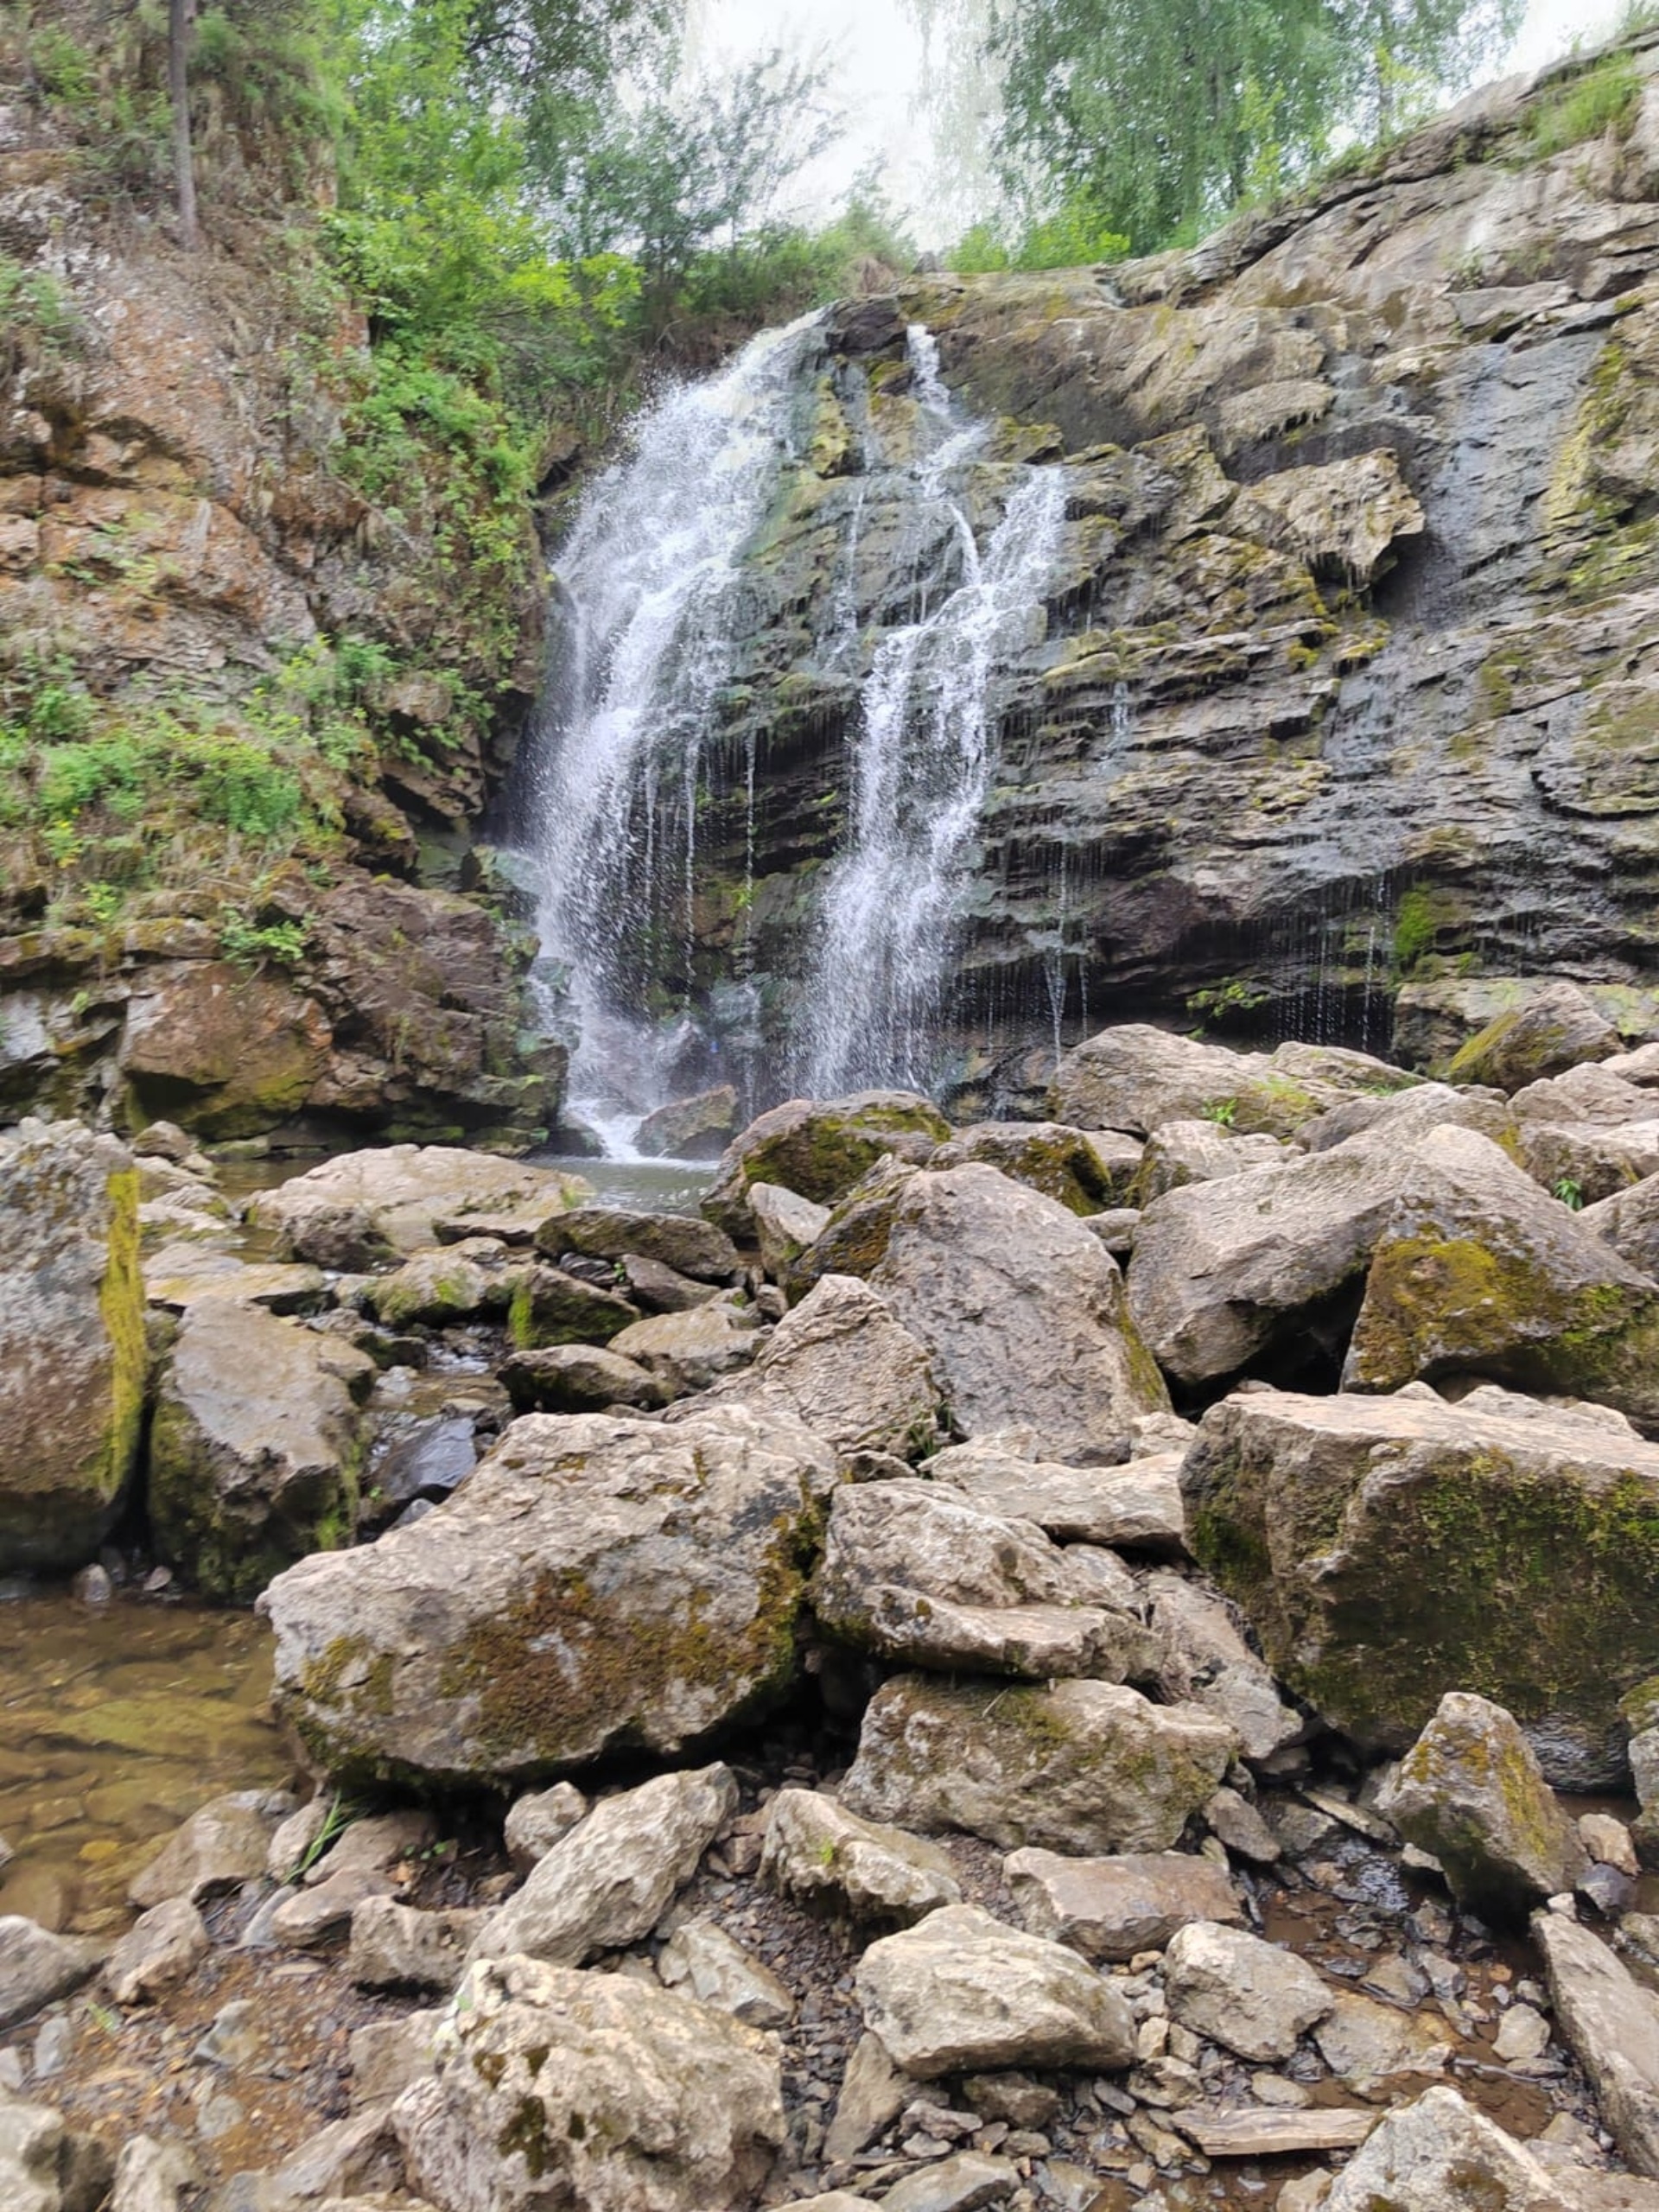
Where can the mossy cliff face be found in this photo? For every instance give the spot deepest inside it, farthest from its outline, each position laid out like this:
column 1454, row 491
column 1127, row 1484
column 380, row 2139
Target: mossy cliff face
column 1389, row 1550
column 1345, row 679
column 597, row 1586
column 72, row 1356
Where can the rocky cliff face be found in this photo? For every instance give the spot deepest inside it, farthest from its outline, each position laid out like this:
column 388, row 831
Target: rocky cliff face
column 1347, row 692
column 235, row 877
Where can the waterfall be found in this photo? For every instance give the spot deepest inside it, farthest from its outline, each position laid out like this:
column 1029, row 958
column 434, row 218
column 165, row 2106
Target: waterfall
column 643, row 612
column 650, row 604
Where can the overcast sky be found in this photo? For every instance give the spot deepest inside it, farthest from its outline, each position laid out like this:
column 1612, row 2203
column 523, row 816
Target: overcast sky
column 877, row 56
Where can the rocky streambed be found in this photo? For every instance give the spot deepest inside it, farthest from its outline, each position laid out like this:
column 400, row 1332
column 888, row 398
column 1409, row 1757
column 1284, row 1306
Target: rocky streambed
column 1103, row 1662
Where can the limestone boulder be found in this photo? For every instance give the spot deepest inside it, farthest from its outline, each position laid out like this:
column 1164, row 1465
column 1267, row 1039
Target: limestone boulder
column 396, row 1946
column 595, row 2090
column 962, row 1991
column 1023, row 1310
column 73, row 1358
column 578, row 1379
column 819, row 1148
column 1629, row 1221
column 1204, row 1657
column 694, row 1249
column 225, row 1842
column 1387, row 1550
column 536, row 1822
column 1137, row 1506
column 551, row 1307
column 365, row 1208
column 1343, row 518
column 1253, row 1997
column 1478, row 1271
column 817, row 1851
column 1441, row 2155
column 702, row 1960
column 1137, row 1078
column 855, row 1240
column 610, row 1881
column 784, row 1225
column 1086, row 1170
column 1471, row 1793
column 1084, row 1768
column 689, row 1129
column 1611, row 2022
column 451, row 1284
column 1403, row 1116
column 37, row 1964
column 156, row 1953
column 255, row 1447
column 845, row 1366
column 691, row 1350
column 45, row 2166
column 916, row 1573
column 1556, row 1029
column 229, row 1053
column 1271, row 1261
column 1179, row 1152
column 596, row 1582
column 1114, row 1908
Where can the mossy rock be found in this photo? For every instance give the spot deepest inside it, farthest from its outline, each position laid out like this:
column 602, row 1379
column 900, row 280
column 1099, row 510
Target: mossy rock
column 820, row 1149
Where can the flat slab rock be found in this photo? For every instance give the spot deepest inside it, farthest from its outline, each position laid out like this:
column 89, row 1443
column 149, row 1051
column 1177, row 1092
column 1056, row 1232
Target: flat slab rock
column 1114, row 1908
column 1137, row 1506
column 1254, row 2132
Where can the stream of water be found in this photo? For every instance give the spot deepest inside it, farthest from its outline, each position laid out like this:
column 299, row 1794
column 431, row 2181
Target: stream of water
column 653, row 604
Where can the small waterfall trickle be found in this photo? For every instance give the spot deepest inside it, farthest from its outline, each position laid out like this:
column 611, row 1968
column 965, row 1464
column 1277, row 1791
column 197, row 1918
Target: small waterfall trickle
column 653, row 610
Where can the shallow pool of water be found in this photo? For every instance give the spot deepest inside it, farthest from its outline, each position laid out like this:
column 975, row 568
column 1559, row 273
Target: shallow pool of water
column 651, row 1186
column 115, row 1722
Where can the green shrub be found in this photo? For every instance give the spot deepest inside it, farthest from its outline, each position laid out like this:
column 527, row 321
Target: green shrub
column 241, row 786
column 1603, row 99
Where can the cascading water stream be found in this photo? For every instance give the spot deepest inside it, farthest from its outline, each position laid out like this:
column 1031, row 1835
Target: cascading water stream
column 650, row 616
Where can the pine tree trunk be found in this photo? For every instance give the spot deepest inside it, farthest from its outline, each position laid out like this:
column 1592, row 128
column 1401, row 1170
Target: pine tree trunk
column 180, row 14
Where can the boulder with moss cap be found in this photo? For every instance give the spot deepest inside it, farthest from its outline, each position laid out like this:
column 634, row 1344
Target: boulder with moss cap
column 819, row 1148
column 1389, row 1549
column 598, row 1583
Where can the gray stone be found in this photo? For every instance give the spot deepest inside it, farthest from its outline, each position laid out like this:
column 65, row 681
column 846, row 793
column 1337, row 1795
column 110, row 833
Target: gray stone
column 551, row 1307
column 160, row 1951
column 873, row 2095
column 312, row 1918
column 1629, row 1221
column 1137, row 1078
column 387, row 2055
column 915, row 1571
column 1556, row 1029
column 784, row 1225
column 46, row 2168
column 842, row 1365
column 1342, row 1527
column 692, row 1349
column 614, row 2094
column 363, row 1207
column 395, row 1946
column 1439, row 2155
column 1470, row 1791
column 820, row 1148
column 1250, row 1996
column 452, row 1284
column 1082, row 1768
column 222, row 1845
column 689, row 1129
column 666, row 1561
column 1179, row 1152
column 152, row 2177
column 1611, row 2022
column 535, row 1822
column 1023, row 1310
column 580, row 1379
column 1364, row 2042
column 1206, row 1660
column 816, row 1849
column 255, row 1447
column 610, row 1880
column 1137, row 1506
column 962, row 1990
column 1114, row 1908
column 960, row 2183
column 704, row 1961
column 37, row 1966
column 680, row 1241
column 73, row 1357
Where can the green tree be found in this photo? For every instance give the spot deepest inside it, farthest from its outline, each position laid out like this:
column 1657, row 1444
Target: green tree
column 1167, row 113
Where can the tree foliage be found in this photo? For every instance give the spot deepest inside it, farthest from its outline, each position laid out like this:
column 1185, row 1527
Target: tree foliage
column 1165, row 114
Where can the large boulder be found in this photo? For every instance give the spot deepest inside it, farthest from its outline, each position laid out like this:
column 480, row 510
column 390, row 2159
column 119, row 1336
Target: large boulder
column 1023, row 1310
column 1084, row 1169
column 689, row 1129
column 229, row 1053
column 37, row 1964
column 1589, row 1132
column 1256, row 1999
column 914, row 1572
column 1478, row 1271
column 962, row 1992
column 597, row 1583
column 556, row 2087
column 1083, row 1767
column 73, row 1358
column 1556, row 1030
column 1113, row 1908
column 1611, row 2024
column 1387, row 1550
column 608, row 1882
column 1137, row 1506
column 817, row 1851
column 1441, row 2155
column 1471, row 1793
column 255, row 1447
column 694, row 1249
column 819, row 1148
column 1629, row 1221
column 842, row 1364
column 1137, row 1078
column 367, row 1207
column 1268, row 1261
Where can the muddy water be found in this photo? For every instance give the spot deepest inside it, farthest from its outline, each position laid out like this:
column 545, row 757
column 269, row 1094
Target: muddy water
column 115, row 1723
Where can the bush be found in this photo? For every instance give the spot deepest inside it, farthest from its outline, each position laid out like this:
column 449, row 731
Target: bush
column 1587, row 107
